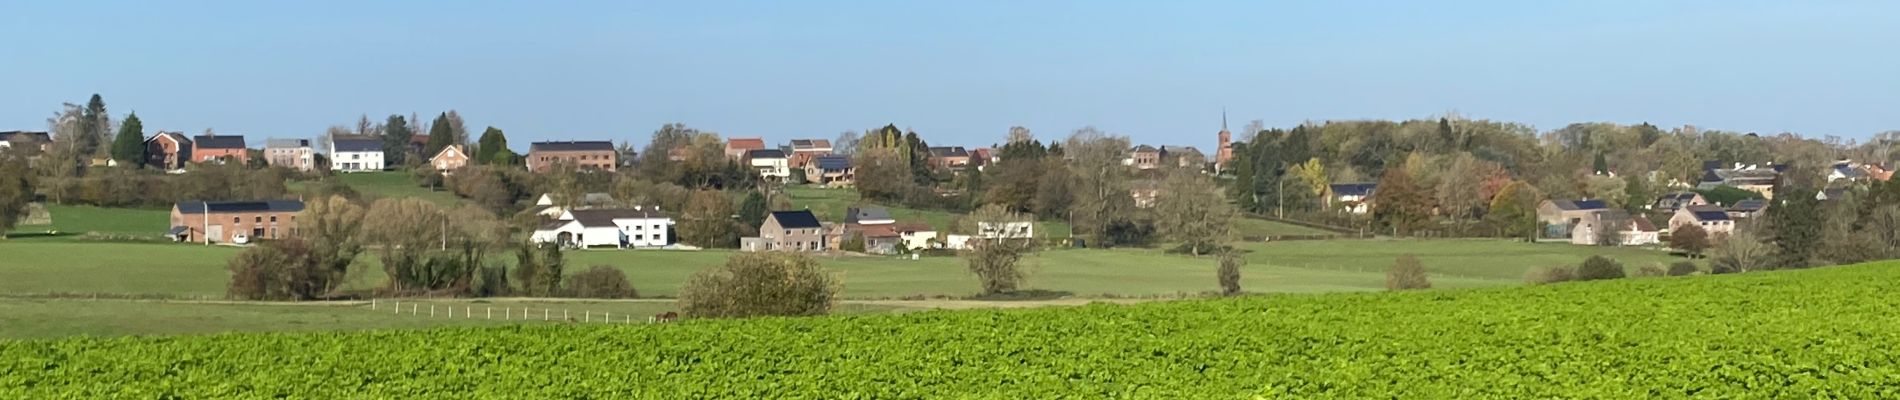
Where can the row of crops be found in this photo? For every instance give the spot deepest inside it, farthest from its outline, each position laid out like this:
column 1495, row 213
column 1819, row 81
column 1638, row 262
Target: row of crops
column 1801, row 334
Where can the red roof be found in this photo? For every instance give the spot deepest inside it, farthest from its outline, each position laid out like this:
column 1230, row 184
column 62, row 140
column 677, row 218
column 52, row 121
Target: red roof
column 745, row 144
column 878, row 231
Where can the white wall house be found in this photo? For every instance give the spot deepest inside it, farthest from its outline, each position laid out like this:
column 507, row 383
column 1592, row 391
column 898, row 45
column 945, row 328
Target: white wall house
column 356, row 155
column 619, row 228
column 770, row 163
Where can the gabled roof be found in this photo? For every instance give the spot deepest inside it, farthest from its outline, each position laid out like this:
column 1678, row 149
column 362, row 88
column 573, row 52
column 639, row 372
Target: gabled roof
column 1144, row 149
column 1677, row 197
column 1579, row 205
column 878, row 231
column 571, row 146
column 949, row 151
column 1707, row 212
column 605, row 217
column 912, row 226
column 1749, row 205
column 858, row 214
column 765, row 153
column 446, row 150
column 286, row 143
column 175, row 137
column 10, row 136
column 796, row 219
column 219, row 141
column 810, row 144
column 1354, row 189
column 369, row 145
column 745, row 143
column 833, row 162
column 1643, row 225
column 198, row 207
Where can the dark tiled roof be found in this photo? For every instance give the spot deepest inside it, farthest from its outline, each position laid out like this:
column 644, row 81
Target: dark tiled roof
column 1574, row 205
column 796, row 219
column 1750, row 205
column 179, row 137
column 571, row 146
column 1707, row 212
column 286, row 143
column 357, row 145
column 1144, row 149
column 219, row 141
column 1353, row 189
column 952, row 151
column 834, row 162
column 198, row 207
column 600, row 218
column 810, row 144
column 765, row 153
column 9, row 136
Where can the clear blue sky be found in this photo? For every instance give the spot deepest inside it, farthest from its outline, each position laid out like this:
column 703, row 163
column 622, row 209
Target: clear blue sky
column 958, row 72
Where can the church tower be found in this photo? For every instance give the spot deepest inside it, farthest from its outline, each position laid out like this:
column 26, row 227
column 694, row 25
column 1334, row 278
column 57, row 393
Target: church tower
column 1225, row 152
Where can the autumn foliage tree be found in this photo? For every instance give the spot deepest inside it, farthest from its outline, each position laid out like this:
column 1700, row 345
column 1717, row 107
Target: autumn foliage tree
column 1400, row 203
column 1689, row 238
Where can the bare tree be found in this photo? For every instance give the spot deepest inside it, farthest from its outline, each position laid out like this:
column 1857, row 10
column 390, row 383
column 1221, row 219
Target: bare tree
column 1190, row 208
column 1100, row 187
column 993, row 255
column 1229, row 273
column 847, row 143
column 1018, row 134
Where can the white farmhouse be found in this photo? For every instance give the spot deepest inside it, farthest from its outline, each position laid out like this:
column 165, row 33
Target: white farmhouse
column 770, row 163
column 618, row 228
column 356, row 155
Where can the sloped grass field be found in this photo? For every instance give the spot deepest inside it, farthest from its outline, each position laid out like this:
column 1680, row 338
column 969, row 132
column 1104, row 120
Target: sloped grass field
column 1798, row 334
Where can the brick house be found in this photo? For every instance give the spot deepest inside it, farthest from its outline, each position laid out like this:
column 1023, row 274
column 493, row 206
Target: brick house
column 290, row 153
column 450, row 158
column 790, row 231
column 952, row 158
column 601, row 156
column 1143, row 157
column 219, row 149
column 8, row 138
column 226, row 221
column 806, row 150
column 736, row 148
column 167, row 150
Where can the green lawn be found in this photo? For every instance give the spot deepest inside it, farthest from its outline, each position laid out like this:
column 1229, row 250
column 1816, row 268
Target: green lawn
column 167, row 269
column 830, row 205
column 76, row 220
column 51, row 318
column 1255, row 227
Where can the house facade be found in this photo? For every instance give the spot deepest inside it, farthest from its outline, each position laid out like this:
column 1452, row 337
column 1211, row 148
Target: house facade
column 219, row 149
column 1712, row 218
column 1559, row 217
column 791, row 231
column 1631, row 231
column 167, row 150
column 234, row 221
column 736, row 148
column 363, row 154
column 915, row 235
column 830, row 171
column 951, row 158
column 1143, row 157
column 450, row 158
column 804, row 151
column 9, row 139
column 1353, row 198
column 294, row 154
column 771, row 164
column 594, row 156
column 637, row 227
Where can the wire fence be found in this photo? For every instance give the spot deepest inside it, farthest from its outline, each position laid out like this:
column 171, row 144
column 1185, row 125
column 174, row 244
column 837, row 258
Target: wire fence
column 523, row 313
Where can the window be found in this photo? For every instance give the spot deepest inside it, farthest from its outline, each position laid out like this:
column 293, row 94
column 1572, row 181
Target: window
column 236, row 219
column 656, row 227
column 260, row 219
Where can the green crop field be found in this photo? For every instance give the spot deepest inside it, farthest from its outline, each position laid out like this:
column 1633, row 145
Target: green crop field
column 1821, row 333
column 1256, row 227
column 77, row 220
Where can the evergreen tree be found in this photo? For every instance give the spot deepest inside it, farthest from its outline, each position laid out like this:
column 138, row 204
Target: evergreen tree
column 489, row 150
column 129, row 147
column 441, row 134
column 753, row 209
column 1795, row 226
column 94, row 127
column 396, row 137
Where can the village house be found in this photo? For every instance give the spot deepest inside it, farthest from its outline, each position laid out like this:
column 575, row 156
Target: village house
column 234, row 221
column 1353, row 198
column 1712, row 218
column 1631, row 231
column 167, row 150
column 356, row 154
column 586, row 156
column 771, row 164
column 881, row 239
column 1560, row 217
column 1183, row 157
column 1143, row 157
column 1673, row 201
column 9, row 138
column 547, row 206
column 219, row 149
column 788, row 231
column 1145, row 192
column 982, row 157
column 1754, row 178
column 638, row 227
column 951, row 158
column 294, row 154
column 804, row 151
column 449, row 159
column 915, row 235
column 1748, row 208
column 736, row 148
column 830, row 171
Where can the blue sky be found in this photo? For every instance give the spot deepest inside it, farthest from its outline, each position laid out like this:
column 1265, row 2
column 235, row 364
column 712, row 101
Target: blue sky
column 958, row 72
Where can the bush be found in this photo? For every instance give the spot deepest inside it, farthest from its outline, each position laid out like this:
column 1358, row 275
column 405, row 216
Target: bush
column 1229, row 274
column 538, row 270
column 1407, row 273
column 994, row 263
column 600, row 282
column 760, row 284
column 1599, row 268
column 1690, row 239
column 1549, row 275
column 1681, row 268
column 491, row 281
column 276, row 270
column 1651, row 270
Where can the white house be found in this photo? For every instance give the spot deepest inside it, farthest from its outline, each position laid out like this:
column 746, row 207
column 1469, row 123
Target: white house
column 1351, row 197
column 1006, row 230
column 544, row 206
column 770, row 163
column 915, row 236
column 356, row 155
column 619, row 228
column 1631, row 231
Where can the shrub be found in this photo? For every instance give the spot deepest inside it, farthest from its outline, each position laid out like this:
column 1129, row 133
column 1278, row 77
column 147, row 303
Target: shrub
column 1651, row 270
column 1690, row 238
column 491, row 281
column 1229, row 274
column 995, row 264
column 1599, row 268
column 600, row 282
column 538, row 270
column 760, row 284
column 1681, row 268
column 1407, row 273
column 1549, row 275
column 276, row 270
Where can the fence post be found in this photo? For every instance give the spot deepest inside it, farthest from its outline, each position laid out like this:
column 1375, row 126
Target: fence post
column 491, row 313
column 507, row 313
column 607, row 317
column 587, row 316
column 398, row 306
column 564, row 315
column 372, row 303
column 544, row 314
column 431, row 310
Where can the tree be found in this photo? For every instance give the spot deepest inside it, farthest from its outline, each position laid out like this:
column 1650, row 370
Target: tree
column 1400, row 203
column 129, row 147
column 1741, row 252
column 396, row 136
column 882, row 174
column 330, row 226
column 760, row 284
column 441, row 134
column 95, row 128
column 1795, row 228
column 1098, row 182
column 1407, row 273
column 16, row 187
column 1514, row 210
column 708, row 222
column 753, row 209
column 1599, row 268
column 282, row 269
column 1690, row 238
column 1229, row 273
column 1189, row 208
column 994, row 261
column 600, row 282
column 538, row 269
column 490, row 148
column 406, row 229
